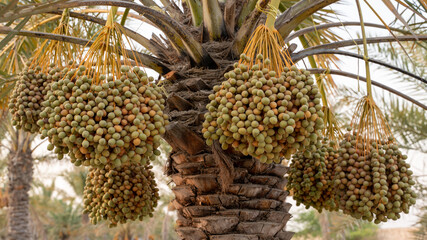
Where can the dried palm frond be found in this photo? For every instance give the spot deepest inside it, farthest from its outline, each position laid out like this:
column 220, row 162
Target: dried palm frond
column 7, row 83
column 15, row 54
column 319, row 37
column 332, row 128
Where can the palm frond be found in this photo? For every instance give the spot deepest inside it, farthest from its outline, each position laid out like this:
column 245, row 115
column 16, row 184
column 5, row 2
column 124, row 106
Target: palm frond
column 408, row 123
column 417, row 66
column 7, row 83
column 76, row 178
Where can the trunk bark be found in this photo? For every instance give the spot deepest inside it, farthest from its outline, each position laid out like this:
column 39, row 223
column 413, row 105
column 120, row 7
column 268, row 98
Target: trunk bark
column 20, row 169
column 252, row 207
column 218, row 195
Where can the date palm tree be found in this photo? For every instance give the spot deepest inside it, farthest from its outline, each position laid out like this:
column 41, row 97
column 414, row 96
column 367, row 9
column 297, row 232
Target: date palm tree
column 20, row 174
column 218, row 195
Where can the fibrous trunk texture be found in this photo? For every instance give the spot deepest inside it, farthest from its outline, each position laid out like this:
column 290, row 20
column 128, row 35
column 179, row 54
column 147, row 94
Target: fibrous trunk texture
column 218, row 195
column 20, row 170
column 253, row 206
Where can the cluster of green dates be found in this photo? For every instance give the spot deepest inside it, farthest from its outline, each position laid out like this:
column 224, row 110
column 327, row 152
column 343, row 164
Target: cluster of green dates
column 114, row 123
column 117, row 195
column 25, row 102
column 366, row 180
column 375, row 183
column 264, row 114
column 311, row 177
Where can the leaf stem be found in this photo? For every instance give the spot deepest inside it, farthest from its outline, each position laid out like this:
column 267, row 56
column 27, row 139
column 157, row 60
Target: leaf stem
column 365, row 50
column 124, row 17
column 65, row 15
column 110, row 18
column 272, row 13
column 380, row 85
column 196, row 12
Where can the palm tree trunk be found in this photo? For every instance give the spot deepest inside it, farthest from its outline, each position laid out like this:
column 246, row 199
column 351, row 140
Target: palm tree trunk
column 85, row 221
column 218, row 196
column 252, row 207
column 20, row 169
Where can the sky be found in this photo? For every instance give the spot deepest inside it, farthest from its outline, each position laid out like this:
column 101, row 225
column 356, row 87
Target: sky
column 49, row 172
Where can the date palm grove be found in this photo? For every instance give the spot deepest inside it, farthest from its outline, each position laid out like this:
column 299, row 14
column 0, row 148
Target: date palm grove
column 235, row 98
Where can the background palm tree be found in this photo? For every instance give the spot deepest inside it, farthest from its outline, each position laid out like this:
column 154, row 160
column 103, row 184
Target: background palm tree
column 20, row 174
column 218, row 195
column 55, row 214
column 341, row 226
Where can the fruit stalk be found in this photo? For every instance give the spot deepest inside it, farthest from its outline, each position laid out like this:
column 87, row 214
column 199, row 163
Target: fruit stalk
column 272, row 14
column 365, row 51
column 110, row 18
